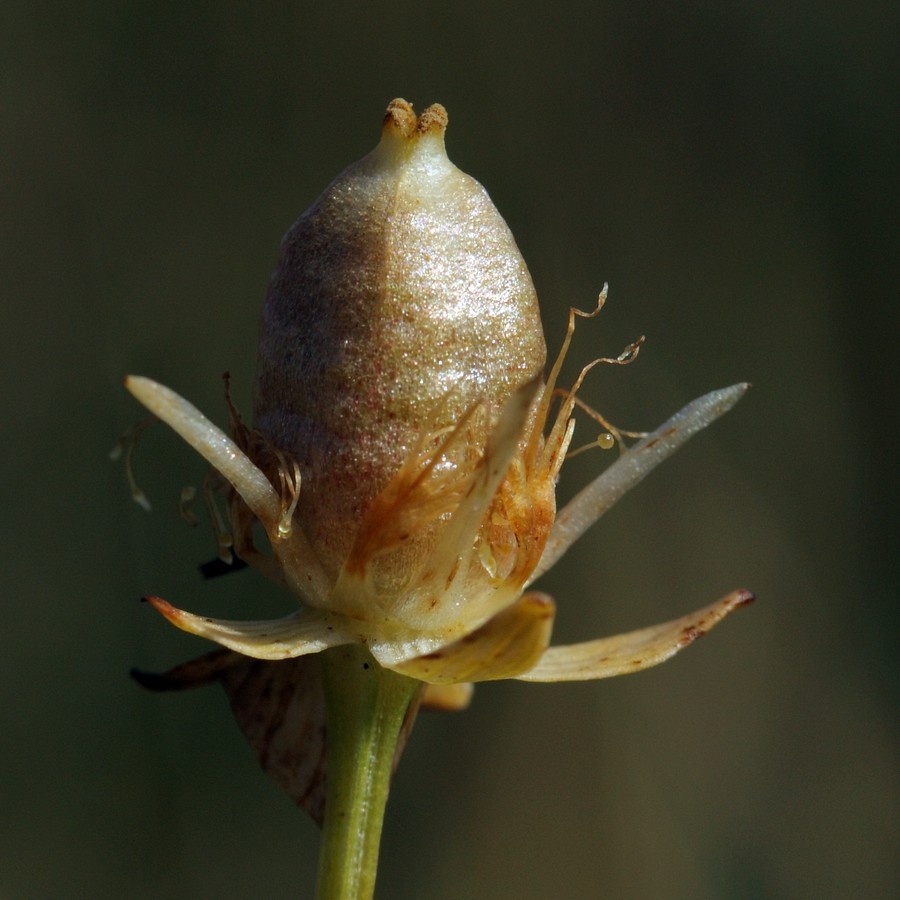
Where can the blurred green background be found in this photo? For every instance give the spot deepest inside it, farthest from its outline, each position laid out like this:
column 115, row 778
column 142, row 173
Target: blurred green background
column 731, row 170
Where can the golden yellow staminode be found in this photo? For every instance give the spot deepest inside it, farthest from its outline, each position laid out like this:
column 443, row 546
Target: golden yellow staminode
column 406, row 447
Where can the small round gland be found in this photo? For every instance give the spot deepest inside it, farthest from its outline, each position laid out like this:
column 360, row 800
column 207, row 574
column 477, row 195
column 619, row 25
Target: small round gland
column 400, row 299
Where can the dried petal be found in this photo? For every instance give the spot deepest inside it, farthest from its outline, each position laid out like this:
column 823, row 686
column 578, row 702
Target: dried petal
column 305, row 631
column 635, row 650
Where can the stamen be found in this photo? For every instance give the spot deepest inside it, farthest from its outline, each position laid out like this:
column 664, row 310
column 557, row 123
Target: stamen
column 211, row 483
column 289, row 489
column 126, row 443
column 286, row 476
column 421, row 461
column 629, row 354
column 549, row 389
column 563, row 417
column 551, row 451
column 613, row 436
column 188, row 495
column 604, row 441
column 555, row 453
column 428, row 459
column 418, row 494
column 224, row 541
column 487, row 559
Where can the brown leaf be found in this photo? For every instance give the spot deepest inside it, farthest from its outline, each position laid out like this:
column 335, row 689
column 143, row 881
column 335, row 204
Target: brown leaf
column 280, row 708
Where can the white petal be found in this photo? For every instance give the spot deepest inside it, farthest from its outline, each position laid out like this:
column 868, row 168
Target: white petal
column 305, row 631
column 633, row 651
column 595, row 499
column 301, row 567
column 211, row 443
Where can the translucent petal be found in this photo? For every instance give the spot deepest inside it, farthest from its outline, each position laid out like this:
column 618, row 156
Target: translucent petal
column 507, row 644
column 595, row 499
column 450, row 560
column 634, row 651
column 302, row 632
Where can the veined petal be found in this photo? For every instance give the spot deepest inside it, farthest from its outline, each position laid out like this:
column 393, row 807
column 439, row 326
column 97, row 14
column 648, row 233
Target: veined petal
column 591, row 502
column 633, row 651
column 302, row 632
column 211, row 443
column 507, row 644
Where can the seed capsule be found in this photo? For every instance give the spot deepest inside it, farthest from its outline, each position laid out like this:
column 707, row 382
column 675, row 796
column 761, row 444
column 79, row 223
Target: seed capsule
column 405, row 455
column 400, row 300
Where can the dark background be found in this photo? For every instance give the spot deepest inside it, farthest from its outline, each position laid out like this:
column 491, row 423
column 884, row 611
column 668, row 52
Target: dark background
column 730, row 169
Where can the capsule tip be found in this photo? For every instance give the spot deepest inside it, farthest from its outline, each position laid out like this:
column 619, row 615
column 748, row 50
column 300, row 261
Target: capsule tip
column 400, row 118
column 434, row 119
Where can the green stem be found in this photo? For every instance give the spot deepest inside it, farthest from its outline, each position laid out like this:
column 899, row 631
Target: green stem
column 366, row 706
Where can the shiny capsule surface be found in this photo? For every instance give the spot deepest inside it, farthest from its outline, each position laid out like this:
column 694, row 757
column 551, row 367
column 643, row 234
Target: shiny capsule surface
column 400, row 299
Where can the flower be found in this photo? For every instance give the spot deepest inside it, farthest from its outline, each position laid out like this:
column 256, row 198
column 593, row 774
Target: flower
column 405, row 448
